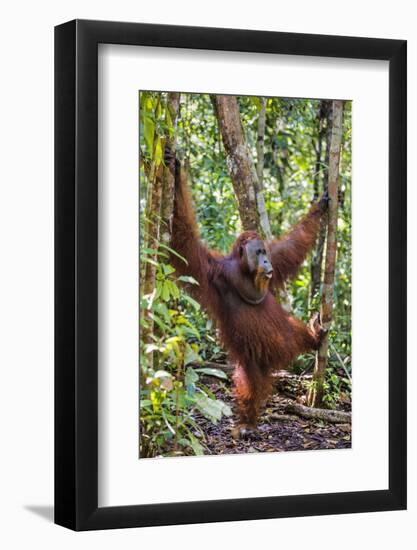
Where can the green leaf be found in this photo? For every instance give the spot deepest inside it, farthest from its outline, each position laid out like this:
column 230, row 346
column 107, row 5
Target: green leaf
column 158, row 321
column 158, row 152
column 173, row 289
column 149, row 132
column 162, row 309
column 173, row 252
column 152, row 251
column 213, row 372
column 184, row 442
column 191, row 376
column 209, row 407
column 168, row 118
column 162, row 374
column 190, row 331
column 196, row 446
column 149, row 348
column 149, row 261
column 191, row 356
column 168, row 269
column 188, row 279
column 165, row 291
column 191, row 301
column 148, row 103
column 226, row 410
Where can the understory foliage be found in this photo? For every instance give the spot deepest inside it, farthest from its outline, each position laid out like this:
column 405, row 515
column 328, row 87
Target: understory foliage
column 182, row 340
column 172, row 388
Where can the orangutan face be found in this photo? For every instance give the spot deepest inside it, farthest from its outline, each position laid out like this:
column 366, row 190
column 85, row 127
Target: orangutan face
column 257, row 259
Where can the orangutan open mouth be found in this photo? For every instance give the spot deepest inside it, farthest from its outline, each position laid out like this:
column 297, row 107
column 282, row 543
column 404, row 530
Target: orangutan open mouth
column 268, row 274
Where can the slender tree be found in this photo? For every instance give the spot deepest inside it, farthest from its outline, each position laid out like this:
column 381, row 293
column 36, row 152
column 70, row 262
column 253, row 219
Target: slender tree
column 239, row 160
column 259, row 187
column 151, row 240
column 315, row 394
column 324, row 117
column 280, row 159
column 279, row 155
column 153, row 173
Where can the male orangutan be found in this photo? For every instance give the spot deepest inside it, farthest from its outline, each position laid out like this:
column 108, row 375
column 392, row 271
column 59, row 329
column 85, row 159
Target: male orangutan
column 237, row 292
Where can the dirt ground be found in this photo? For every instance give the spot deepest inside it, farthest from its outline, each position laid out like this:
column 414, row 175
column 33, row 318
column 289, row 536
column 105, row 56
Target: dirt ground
column 278, row 431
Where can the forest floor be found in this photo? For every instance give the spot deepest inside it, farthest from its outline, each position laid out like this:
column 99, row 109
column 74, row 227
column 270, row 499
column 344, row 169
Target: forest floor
column 277, row 430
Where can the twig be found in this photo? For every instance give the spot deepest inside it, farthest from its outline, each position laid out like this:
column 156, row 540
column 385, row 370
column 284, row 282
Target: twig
column 341, row 362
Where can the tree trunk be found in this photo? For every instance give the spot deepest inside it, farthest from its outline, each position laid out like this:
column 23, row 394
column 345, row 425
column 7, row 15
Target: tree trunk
column 167, row 207
column 325, row 128
column 239, row 160
column 321, row 131
column 259, row 187
column 158, row 218
column 280, row 156
column 315, row 394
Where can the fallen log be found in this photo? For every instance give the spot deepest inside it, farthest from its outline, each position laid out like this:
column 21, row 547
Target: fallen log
column 282, row 417
column 328, row 415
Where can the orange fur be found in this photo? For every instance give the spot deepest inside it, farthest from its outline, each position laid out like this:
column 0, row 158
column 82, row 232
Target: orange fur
column 261, row 282
column 260, row 338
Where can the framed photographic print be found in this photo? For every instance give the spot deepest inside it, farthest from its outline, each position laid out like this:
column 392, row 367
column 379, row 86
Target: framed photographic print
column 230, row 275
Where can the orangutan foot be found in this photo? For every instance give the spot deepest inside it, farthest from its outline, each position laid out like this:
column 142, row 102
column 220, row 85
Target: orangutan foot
column 316, row 328
column 243, row 431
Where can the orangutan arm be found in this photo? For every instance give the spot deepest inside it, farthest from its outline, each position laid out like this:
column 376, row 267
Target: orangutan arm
column 289, row 252
column 185, row 240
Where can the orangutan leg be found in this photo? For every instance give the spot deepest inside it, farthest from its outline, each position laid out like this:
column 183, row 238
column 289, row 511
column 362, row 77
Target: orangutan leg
column 305, row 337
column 251, row 388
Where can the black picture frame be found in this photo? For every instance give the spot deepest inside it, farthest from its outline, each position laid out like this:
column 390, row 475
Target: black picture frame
column 76, row 272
